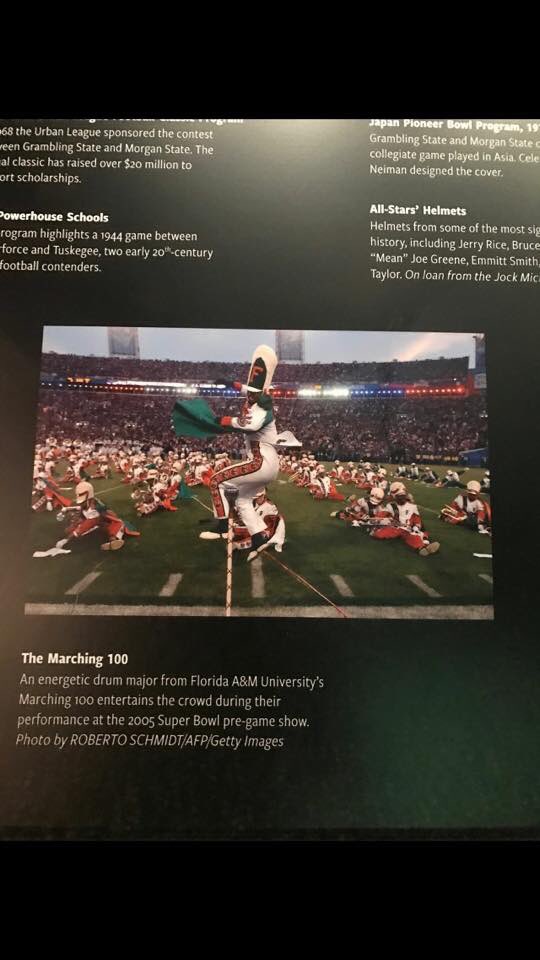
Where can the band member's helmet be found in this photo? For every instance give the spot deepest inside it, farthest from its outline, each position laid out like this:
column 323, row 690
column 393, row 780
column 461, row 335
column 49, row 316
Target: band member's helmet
column 376, row 496
column 83, row 491
column 397, row 487
column 473, row 486
column 261, row 372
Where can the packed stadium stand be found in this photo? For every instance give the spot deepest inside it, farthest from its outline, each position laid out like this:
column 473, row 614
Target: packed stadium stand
column 384, row 429
column 413, row 371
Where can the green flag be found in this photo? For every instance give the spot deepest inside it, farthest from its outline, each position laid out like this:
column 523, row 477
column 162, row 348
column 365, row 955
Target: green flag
column 194, row 418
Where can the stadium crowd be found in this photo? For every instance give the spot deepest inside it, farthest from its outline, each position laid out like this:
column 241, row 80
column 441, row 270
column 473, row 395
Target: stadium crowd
column 396, row 430
column 413, row 371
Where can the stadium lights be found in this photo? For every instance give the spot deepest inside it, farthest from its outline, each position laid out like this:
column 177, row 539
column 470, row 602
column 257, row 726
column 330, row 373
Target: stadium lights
column 153, row 383
column 335, row 392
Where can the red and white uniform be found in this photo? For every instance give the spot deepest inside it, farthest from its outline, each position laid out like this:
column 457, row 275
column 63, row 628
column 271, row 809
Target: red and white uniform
column 274, row 526
column 325, row 489
column 200, row 470
column 363, row 512
column 50, row 497
column 92, row 519
column 160, row 498
column 336, row 472
column 407, row 526
column 476, row 510
column 320, row 485
column 260, row 467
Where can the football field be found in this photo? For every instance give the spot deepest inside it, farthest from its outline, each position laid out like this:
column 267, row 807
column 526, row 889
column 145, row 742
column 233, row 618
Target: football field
column 169, row 571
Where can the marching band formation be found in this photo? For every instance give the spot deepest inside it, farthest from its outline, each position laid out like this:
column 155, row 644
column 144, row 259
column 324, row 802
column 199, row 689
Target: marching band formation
column 386, row 510
column 158, row 482
column 160, row 479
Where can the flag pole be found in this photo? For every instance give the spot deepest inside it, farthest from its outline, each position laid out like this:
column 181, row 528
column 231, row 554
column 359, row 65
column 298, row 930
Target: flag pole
column 231, row 498
column 228, row 579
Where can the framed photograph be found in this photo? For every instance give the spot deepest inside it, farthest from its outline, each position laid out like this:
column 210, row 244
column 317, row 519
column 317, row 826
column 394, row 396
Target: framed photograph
column 345, row 487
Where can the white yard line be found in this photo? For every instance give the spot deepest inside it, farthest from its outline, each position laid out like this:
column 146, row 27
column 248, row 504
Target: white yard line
column 108, row 489
column 418, row 582
column 81, row 585
column 202, row 504
column 415, row 612
column 257, row 579
column 486, row 576
column 170, row 586
column 341, row 585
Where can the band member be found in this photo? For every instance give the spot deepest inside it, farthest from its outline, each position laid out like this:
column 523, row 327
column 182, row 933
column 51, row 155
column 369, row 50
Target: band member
column 261, row 465
column 221, row 461
column 322, row 487
column 306, row 473
column 429, row 476
column 366, row 510
column 103, row 469
column 469, row 509
column 407, row 526
column 337, row 471
column 91, row 514
column 346, row 476
column 381, row 480
column 451, row 479
column 49, row 496
column 274, row 526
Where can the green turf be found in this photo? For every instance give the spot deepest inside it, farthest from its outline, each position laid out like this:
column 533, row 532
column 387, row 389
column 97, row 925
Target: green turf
column 316, row 547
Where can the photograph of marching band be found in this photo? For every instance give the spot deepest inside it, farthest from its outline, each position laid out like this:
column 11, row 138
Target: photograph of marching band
column 270, row 473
